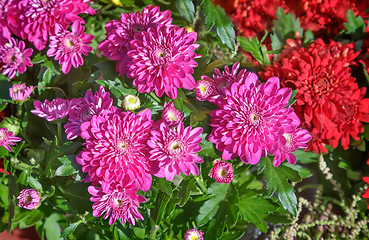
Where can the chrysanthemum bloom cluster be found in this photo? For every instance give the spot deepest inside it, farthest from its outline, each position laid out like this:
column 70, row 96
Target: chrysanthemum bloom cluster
column 14, row 57
column 254, row 120
column 20, row 92
column 29, row 199
column 329, row 102
column 160, row 55
column 39, row 18
column 326, row 17
column 252, row 17
column 56, row 109
column 194, row 234
column 119, row 33
column 222, row 172
column 7, row 138
column 68, row 47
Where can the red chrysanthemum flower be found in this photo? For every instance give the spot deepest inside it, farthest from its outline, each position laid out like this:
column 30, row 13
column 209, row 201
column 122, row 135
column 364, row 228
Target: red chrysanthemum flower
column 119, row 33
column 68, row 47
column 116, row 150
column 173, row 150
column 324, row 17
column 8, row 138
column 118, row 203
column 15, row 57
column 163, row 60
column 82, row 110
column 222, row 172
column 39, row 18
column 366, row 193
column 253, row 17
column 322, row 75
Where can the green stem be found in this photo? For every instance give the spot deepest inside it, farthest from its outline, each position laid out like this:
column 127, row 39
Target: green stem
column 59, row 126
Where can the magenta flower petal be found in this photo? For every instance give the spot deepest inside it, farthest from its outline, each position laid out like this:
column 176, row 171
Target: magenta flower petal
column 173, row 150
column 117, row 203
column 116, row 150
column 163, row 60
column 39, row 19
column 29, row 199
column 171, row 116
column 222, row 172
column 82, row 110
column 251, row 119
column 20, row 92
column 68, row 47
column 119, row 33
column 14, row 57
column 56, row 109
column 8, row 138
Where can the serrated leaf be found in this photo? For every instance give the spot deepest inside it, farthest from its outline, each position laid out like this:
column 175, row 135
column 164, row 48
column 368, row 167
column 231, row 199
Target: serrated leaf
column 70, row 229
column 211, row 206
column 254, row 207
column 286, row 25
column 186, row 9
column 216, row 16
column 354, row 24
column 277, row 180
column 253, row 46
column 66, row 169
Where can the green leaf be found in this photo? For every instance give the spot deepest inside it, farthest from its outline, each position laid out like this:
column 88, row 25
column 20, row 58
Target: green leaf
column 254, row 207
column 306, row 157
column 215, row 16
column 165, row 186
column 66, row 169
column 253, row 46
column 303, row 172
column 34, row 183
column 70, row 229
column 51, row 227
column 184, row 193
column 354, row 24
column 286, row 26
column 207, row 148
column 211, row 206
column 292, row 99
column 186, row 9
column 277, row 180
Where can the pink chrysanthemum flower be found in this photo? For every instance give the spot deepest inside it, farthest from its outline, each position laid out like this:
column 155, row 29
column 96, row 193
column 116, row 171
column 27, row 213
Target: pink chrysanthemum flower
column 251, row 119
column 7, row 138
column 9, row 20
column 222, row 81
column 39, row 17
column 222, row 172
column 294, row 140
column 20, row 92
column 116, row 150
column 173, row 150
column 118, row 203
column 82, row 110
column 170, row 115
column 56, row 109
column 163, row 60
column 68, row 47
column 119, row 33
column 204, row 90
column 194, row 234
column 14, row 57
column 29, row 199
